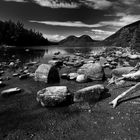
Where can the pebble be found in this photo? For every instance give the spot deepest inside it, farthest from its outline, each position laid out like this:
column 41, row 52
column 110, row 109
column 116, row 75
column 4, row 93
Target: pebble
column 112, row 118
column 15, row 74
column 64, row 76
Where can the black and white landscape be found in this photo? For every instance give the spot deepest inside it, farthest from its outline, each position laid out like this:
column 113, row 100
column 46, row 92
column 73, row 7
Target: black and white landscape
column 69, row 69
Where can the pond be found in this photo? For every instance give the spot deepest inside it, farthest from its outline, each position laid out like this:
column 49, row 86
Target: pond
column 42, row 54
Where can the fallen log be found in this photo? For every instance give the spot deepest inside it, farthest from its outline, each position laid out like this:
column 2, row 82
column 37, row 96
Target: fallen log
column 133, row 76
column 130, row 76
column 127, row 92
column 114, row 80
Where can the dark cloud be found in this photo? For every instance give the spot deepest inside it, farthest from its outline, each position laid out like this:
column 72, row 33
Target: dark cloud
column 60, row 18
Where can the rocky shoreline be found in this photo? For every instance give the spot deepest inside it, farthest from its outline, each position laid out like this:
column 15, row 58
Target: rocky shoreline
column 23, row 118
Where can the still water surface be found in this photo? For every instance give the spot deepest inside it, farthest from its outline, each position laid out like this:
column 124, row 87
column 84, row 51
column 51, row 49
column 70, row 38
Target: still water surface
column 42, row 54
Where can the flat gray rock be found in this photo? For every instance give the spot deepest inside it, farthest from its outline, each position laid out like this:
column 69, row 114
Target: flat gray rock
column 89, row 93
column 54, row 96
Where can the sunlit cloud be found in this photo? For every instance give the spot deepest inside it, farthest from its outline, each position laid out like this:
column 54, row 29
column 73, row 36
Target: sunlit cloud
column 120, row 21
column 54, row 37
column 97, row 4
column 130, row 2
column 56, row 4
column 98, row 31
column 98, row 37
column 98, row 34
column 66, row 24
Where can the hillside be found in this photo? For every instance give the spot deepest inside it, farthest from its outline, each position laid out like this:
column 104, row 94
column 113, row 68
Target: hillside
column 78, row 41
column 128, row 36
column 14, row 34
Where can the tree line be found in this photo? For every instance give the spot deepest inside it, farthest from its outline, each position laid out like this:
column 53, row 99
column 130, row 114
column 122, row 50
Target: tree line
column 14, row 34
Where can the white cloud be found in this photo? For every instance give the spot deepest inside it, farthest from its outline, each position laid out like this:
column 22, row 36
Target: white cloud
column 54, row 37
column 97, row 4
column 110, row 26
column 98, row 37
column 122, row 21
column 130, row 2
column 56, row 4
column 127, row 6
column 101, row 32
column 67, row 24
column 113, row 25
column 15, row 0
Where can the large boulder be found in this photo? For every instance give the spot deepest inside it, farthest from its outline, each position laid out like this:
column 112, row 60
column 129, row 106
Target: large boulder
column 47, row 73
column 93, row 71
column 93, row 93
column 118, row 72
column 54, row 96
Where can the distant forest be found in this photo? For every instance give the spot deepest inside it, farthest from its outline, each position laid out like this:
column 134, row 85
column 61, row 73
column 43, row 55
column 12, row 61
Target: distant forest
column 14, row 34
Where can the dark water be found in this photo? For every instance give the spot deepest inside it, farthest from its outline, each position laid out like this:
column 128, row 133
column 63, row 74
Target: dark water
column 41, row 54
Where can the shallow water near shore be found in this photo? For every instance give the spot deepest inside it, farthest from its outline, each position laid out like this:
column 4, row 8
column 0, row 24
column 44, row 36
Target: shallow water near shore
column 43, row 53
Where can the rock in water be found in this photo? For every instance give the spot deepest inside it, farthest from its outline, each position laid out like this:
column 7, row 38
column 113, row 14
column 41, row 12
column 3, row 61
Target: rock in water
column 47, row 73
column 64, row 76
column 10, row 91
column 118, row 72
column 91, row 93
column 2, row 84
column 72, row 76
column 24, row 76
column 93, row 71
column 57, row 63
column 54, row 96
column 81, row 78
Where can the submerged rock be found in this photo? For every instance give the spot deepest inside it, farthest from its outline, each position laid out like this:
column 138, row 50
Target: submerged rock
column 1, row 72
column 64, row 76
column 93, row 93
column 10, row 91
column 47, row 73
column 126, row 64
column 24, row 76
column 54, row 96
column 93, row 71
column 31, row 63
column 2, row 84
column 57, row 63
column 78, row 64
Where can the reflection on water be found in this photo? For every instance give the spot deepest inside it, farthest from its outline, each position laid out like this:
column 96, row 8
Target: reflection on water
column 24, row 56
column 41, row 54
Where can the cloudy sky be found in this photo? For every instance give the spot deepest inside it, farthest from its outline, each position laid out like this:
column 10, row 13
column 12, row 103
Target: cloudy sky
column 57, row 19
